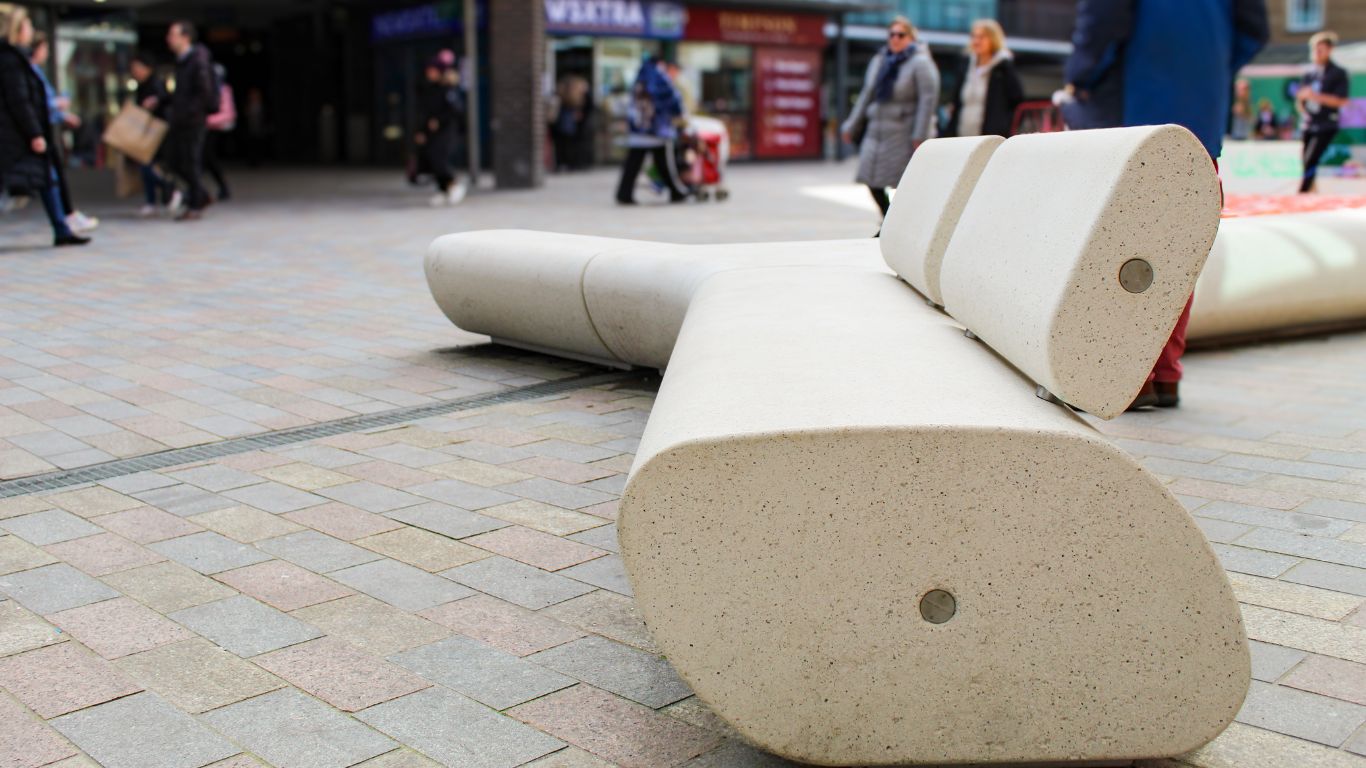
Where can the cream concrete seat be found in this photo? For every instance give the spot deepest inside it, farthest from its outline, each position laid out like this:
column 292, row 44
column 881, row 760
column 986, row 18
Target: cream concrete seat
column 854, row 530
column 1285, row 273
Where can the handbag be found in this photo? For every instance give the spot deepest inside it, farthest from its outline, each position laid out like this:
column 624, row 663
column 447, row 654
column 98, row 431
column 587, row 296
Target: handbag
column 136, row 133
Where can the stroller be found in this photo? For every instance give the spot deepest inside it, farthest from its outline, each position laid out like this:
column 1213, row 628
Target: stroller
column 705, row 146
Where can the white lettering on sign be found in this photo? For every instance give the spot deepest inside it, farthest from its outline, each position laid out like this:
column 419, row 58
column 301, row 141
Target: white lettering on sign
column 615, row 14
column 794, row 103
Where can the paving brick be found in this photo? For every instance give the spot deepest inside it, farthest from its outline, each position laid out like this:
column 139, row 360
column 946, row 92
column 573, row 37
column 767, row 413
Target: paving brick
column 184, row 500
column 53, row 588
column 143, row 731
column 544, row 517
column 569, row 757
column 1345, row 510
column 274, row 497
column 283, row 585
column 502, row 625
column 621, row 669
column 215, row 477
column 606, row 572
column 305, row 477
column 457, row 732
column 93, row 501
column 119, row 627
column 341, row 674
column 343, row 521
column 25, row 742
column 197, row 676
column 1330, row 677
column 487, row 453
column 557, row 494
column 62, row 678
column 485, row 674
column 448, row 521
column 400, row 758
column 22, row 630
column 547, row 552
column 19, row 555
column 1326, row 638
column 1294, row 598
column 371, row 497
column 603, row 537
column 1271, row 662
column 103, row 554
column 607, row 614
column 290, row 730
column 1301, row 714
column 464, row 495
column 516, row 582
column 617, row 730
column 49, row 527
column 1253, row 561
column 371, row 625
column 245, row 626
column 563, row 449
column 209, row 552
column 137, row 482
column 401, row 585
column 145, row 525
column 246, row 524
column 316, row 551
column 479, row 473
column 1311, row 547
column 167, row 587
column 389, row 474
column 561, row 470
column 424, row 549
column 1340, row 578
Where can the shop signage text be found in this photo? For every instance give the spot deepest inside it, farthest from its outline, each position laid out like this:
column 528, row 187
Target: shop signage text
column 755, row 27
column 787, row 101
column 430, row 20
column 625, row 18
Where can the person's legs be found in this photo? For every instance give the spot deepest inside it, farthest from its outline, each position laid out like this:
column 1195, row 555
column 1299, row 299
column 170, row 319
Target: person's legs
column 212, row 164
column 56, row 215
column 1316, row 143
column 198, row 199
column 150, row 185
column 59, row 166
column 630, row 170
column 880, row 197
column 666, row 161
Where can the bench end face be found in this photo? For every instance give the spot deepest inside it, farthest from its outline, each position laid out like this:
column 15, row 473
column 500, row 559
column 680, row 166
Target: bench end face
column 1087, row 618
column 1117, row 225
column 933, row 192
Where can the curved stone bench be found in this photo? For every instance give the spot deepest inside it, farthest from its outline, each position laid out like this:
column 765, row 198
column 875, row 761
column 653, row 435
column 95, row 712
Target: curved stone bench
column 852, row 528
column 1283, row 273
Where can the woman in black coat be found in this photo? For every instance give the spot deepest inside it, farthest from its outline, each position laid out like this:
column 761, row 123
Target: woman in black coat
column 989, row 87
column 25, row 127
column 443, row 110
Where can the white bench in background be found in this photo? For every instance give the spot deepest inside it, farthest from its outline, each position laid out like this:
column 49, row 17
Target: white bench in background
column 854, row 529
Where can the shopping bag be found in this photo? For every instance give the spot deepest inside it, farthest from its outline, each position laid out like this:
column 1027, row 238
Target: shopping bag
column 127, row 177
column 136, row 133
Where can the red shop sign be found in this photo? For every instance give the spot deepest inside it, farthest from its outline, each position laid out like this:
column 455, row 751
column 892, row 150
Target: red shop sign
column 787, row 102
column 755, row 27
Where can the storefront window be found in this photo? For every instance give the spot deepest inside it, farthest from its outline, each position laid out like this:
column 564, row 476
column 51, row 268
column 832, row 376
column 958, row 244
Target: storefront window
column 717, row 81
column 91, row 60
column 617, row 61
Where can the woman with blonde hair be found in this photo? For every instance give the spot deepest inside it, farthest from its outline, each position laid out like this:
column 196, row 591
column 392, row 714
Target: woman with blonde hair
column 26, row 140
column 989, row 87
column 895, row 111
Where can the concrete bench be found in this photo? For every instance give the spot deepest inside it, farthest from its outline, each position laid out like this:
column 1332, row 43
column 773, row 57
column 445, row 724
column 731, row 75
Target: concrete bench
column 854, row 529
column 1283, row 274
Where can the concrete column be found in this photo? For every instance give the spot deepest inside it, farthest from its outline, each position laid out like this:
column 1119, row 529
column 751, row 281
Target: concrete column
column 516, row 62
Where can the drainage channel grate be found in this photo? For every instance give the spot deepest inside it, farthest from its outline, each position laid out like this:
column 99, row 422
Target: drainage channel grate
column 95, row 472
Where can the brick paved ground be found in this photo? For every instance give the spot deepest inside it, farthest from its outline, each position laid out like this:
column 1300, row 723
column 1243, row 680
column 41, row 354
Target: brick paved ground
column 447, row 591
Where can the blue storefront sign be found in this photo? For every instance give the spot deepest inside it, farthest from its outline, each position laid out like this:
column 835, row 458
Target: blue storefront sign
column 429, row 20
column 656, row 19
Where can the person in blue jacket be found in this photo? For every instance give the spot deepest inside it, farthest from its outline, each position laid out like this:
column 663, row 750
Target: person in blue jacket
column 1152, row 62
column 654, row 114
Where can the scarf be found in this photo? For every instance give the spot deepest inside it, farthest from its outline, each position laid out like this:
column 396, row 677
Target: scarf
column 886, row 77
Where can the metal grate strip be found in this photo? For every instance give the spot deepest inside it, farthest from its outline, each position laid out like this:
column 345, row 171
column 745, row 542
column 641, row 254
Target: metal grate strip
column 50, row 481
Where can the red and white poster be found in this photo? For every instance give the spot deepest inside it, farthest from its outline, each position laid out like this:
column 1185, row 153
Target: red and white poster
column 787, row 102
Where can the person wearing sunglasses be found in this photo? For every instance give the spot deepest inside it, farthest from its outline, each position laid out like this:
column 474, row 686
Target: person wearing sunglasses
column 894, row 112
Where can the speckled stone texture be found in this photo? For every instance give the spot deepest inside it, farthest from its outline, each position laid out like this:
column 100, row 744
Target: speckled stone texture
column 1035, row 275
column 912, row 460
column 1289, row 271
column 933, row 192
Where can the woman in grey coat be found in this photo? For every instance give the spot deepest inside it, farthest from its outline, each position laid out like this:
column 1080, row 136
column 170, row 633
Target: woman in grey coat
column 895, row 111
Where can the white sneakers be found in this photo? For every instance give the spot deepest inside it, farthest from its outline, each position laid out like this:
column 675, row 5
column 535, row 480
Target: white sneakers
column 147, row 211
column 79, row 222
column 450, row 197
column 177, row 203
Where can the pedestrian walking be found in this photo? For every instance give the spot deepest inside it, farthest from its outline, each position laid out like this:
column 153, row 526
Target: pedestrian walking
column 571, row 130
column 26, row 136
column 150, row 93
column 1158, row 62
column 895, row 111
column 194, row 99
column 653, row 115
column 61, row 116
column 990, row 88
column 443, row 108
column 220, row 123
column 1321, row 96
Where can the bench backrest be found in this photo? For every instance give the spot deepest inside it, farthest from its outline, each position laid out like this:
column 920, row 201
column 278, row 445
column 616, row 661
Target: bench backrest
column 934, row 190
column 1077, row 252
